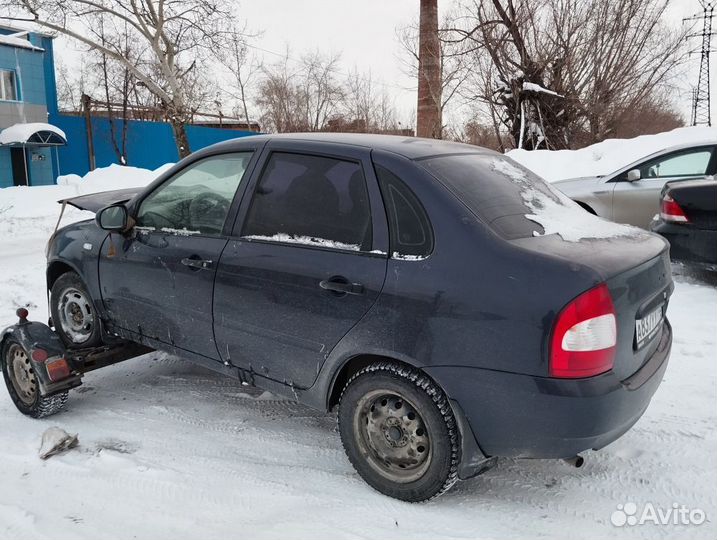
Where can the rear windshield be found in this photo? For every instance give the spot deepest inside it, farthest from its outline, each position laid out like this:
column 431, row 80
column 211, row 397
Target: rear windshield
column 497, row 190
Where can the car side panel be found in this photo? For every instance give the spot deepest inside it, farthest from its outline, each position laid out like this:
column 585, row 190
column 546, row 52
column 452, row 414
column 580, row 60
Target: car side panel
column 77, row 246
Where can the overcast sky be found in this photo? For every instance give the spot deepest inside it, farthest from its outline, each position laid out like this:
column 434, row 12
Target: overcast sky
column 364, row 33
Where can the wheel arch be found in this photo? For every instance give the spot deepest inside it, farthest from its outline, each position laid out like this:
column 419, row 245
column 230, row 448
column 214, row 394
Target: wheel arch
column 353, row 365
column 57, row 268
column 586, row 207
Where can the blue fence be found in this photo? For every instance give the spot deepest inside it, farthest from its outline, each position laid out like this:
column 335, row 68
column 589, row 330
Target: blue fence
column 149, row 144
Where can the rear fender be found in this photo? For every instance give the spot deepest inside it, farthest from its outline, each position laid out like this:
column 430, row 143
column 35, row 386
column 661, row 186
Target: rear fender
column 35, row 335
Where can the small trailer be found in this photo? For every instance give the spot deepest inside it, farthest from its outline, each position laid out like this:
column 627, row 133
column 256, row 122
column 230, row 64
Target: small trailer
column 39, row 370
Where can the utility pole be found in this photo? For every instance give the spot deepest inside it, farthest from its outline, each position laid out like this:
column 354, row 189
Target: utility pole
column 701, row 107
column 429, row 121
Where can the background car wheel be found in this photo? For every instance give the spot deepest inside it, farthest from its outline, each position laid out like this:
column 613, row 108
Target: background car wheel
column 399, row 432
column 21, row 382
column 73, row 312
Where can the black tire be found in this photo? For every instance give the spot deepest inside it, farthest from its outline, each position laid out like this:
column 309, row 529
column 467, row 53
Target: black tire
column 73, row 312
column 25, row 393
column 399, row 432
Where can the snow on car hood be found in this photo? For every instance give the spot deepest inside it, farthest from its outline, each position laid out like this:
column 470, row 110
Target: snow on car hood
column 557, row 214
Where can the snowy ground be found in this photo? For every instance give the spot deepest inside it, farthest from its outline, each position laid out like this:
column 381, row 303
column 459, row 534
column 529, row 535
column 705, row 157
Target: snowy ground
column 171, row 450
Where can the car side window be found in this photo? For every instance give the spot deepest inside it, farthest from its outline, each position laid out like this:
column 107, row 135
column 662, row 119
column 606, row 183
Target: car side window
column 197, row 199
column 311, row 200
column 686, row 163
column 410, row 230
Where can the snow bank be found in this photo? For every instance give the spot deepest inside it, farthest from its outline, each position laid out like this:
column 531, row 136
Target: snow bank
column 34, row 210
column 607, row 156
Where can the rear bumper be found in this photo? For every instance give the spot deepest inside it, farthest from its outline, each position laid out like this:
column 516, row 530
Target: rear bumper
column 536, row 417
column 687, row 243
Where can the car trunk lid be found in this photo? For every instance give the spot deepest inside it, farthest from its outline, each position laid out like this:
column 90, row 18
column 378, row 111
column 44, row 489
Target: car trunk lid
column 636, row 270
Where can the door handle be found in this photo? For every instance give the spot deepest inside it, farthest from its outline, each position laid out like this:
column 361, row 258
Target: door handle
column 341, row 286
column 196, row 262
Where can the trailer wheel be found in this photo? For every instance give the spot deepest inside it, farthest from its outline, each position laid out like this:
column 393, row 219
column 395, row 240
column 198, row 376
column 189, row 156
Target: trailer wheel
column 21, row 382
column 73, row 312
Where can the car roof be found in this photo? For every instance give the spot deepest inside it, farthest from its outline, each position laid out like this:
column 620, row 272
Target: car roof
column 409, row 147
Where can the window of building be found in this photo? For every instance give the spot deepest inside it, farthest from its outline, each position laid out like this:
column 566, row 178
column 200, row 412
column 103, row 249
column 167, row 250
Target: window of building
column 8, row 85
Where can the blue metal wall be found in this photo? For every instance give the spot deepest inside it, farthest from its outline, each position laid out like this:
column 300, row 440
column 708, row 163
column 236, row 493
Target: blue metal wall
column 149, row 144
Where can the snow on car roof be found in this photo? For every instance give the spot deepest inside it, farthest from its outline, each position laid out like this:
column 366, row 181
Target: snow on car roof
column 609, row 156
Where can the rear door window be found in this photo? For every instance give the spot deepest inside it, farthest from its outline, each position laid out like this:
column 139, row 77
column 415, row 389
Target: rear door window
column 311, row 200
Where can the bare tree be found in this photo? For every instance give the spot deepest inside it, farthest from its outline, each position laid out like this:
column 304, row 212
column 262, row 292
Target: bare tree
column 243, row 68
column 300, row 95
column 178, row 34
column 556, row 73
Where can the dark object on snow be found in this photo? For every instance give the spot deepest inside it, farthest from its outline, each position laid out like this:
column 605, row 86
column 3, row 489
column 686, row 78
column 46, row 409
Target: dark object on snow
column 398, row 278
column 688, row 219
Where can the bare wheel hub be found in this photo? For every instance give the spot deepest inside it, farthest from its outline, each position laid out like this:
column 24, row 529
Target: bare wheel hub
column 21, row 374
column 392, row 436
column 76, row 315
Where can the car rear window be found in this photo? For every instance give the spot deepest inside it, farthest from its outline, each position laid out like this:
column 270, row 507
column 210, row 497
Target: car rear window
column 499, row 191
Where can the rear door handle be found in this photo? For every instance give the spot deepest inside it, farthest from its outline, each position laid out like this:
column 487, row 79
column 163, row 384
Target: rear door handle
column 341, row 285
column 195, row 262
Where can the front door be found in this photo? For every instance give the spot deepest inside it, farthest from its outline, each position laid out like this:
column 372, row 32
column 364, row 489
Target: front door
column 20, row 171
column 637, row 202
column 308, row 262
column 159, row 281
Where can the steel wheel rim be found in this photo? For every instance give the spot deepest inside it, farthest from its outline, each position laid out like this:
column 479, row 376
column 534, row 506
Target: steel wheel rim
column 392, row 436
column 76, row 315
column 21, row 374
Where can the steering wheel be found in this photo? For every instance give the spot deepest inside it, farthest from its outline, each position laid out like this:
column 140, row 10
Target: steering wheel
column 156, row 220
column 207, row 211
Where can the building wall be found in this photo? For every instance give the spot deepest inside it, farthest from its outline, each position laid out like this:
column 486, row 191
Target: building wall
column 29, row 68
column 149, row 144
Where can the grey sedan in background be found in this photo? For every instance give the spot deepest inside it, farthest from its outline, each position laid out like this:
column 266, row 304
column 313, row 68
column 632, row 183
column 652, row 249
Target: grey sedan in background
column 632, row 194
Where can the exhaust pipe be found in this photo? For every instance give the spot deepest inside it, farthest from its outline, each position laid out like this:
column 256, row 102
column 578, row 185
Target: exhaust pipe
column 576, row 461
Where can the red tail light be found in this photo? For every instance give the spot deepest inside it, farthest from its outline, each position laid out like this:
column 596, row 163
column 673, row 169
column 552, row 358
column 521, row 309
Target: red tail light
column 671, row 211
column 584, row 336
column 57, row 369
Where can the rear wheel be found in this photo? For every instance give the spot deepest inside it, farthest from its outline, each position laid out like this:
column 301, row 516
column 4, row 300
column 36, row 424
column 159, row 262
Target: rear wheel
column 399, row 432
column 73, row 312
column 21, row 381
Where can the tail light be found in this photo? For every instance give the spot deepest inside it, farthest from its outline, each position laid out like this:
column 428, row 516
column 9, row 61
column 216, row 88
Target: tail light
column 671, row 211
column 57, row 369
column 584, row 336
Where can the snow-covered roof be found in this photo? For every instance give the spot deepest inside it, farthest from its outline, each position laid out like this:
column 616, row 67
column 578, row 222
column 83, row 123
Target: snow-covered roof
column 18, row 40
column 34, row 132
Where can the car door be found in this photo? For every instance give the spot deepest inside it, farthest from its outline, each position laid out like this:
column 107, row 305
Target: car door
column 307, row 261
column 638, row 201
column 158, row 281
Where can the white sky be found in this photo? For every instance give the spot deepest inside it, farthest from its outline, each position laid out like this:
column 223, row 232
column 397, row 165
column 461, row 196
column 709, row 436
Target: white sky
column 364, row 32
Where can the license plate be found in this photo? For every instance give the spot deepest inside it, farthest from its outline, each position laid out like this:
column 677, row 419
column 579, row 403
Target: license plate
column 646, row 328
